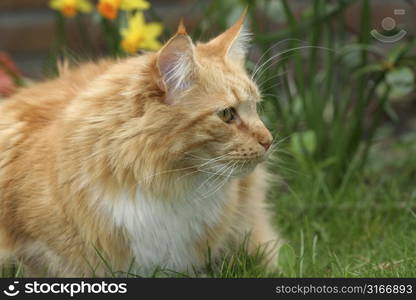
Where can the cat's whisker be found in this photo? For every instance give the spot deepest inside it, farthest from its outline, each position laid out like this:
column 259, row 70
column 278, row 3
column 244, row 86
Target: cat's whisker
column 275, row 62
column 260, row 68
column 209, row 159
column 164, row 172
column 269, row 95
column 272, row 63
column 217, row 175
column 214, row 175
column 226, row 178
column 193, row 172
column 296, row 172
column 287, row 51
column 260, row 108
column 274, row 46
column 261, row 84
column 275, row 149
column 274, row 85
column 198, row 167
column 220, row 173
column 222, row 182
column 278, row 142
column 207, row 167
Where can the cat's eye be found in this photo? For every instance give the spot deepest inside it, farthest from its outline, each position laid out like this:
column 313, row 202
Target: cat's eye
column 227, row 115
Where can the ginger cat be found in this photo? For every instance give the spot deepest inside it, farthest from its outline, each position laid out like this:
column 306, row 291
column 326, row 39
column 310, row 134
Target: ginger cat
column 152, row 159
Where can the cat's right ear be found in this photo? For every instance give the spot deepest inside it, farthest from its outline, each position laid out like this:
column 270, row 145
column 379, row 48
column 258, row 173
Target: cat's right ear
column 176, row 64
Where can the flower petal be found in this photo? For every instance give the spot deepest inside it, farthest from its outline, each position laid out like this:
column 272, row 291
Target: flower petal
column 153, row 29
column 84, row 6
column 56, row 4
column 134, row 4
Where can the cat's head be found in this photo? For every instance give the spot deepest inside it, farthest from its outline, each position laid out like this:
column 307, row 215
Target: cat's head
column 208, row 84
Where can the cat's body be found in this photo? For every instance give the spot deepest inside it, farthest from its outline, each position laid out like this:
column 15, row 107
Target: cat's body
column 100, row 164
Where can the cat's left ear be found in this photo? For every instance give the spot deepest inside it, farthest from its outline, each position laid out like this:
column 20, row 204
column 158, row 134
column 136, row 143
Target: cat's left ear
column 234, row 42
column 176, row 64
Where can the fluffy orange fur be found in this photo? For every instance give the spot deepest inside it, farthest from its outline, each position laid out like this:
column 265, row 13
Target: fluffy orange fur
column 74, row 148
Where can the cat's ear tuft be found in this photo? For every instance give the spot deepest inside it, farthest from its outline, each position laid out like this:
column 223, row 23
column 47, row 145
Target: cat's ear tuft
column 240, row 45
column 234, row 42
column 176, row 64
column 181, row 28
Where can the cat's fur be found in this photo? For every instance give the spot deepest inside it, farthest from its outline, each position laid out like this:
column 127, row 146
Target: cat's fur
column 130, row 160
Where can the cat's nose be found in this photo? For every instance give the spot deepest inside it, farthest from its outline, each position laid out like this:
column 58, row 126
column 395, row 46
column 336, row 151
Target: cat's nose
column 266, row 144
column 266, row 140
column 263, row 136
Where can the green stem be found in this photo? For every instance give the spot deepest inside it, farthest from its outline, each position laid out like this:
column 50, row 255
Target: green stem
column 111, row 36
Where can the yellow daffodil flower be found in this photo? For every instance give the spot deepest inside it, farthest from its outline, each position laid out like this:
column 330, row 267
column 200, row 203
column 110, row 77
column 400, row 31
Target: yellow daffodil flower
column 70, row 8
column 109, row 8
column 139, row 35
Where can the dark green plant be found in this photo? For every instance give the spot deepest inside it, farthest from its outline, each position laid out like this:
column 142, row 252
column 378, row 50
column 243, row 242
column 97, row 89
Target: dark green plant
column 323, row 91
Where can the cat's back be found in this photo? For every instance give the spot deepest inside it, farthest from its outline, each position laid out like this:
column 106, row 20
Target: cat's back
column 41, row 103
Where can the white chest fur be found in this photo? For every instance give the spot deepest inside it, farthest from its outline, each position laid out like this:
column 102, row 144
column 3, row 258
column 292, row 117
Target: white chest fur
column 163, row 232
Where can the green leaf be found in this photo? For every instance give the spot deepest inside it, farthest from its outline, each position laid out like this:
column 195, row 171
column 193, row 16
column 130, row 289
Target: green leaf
column 371, row 68
column 287, row 260
column 395, row 54
column 303, row 143
column 401, row 82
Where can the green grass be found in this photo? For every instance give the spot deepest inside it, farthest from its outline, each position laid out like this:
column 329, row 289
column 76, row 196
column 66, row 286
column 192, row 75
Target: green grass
column 364, row 228
column 367, row 230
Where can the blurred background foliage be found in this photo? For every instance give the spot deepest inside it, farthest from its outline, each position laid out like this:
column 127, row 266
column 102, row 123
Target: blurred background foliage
column 340, row 103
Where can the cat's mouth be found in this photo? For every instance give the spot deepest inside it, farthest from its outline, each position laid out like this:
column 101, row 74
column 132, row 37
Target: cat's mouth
column 255, row 158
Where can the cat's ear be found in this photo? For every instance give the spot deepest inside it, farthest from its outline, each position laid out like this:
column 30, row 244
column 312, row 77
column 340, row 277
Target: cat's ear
column 176, row 64
column 234, row 42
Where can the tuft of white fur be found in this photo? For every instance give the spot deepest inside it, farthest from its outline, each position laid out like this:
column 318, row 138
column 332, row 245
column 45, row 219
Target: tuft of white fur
column 241, row 44
column 178, row 74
